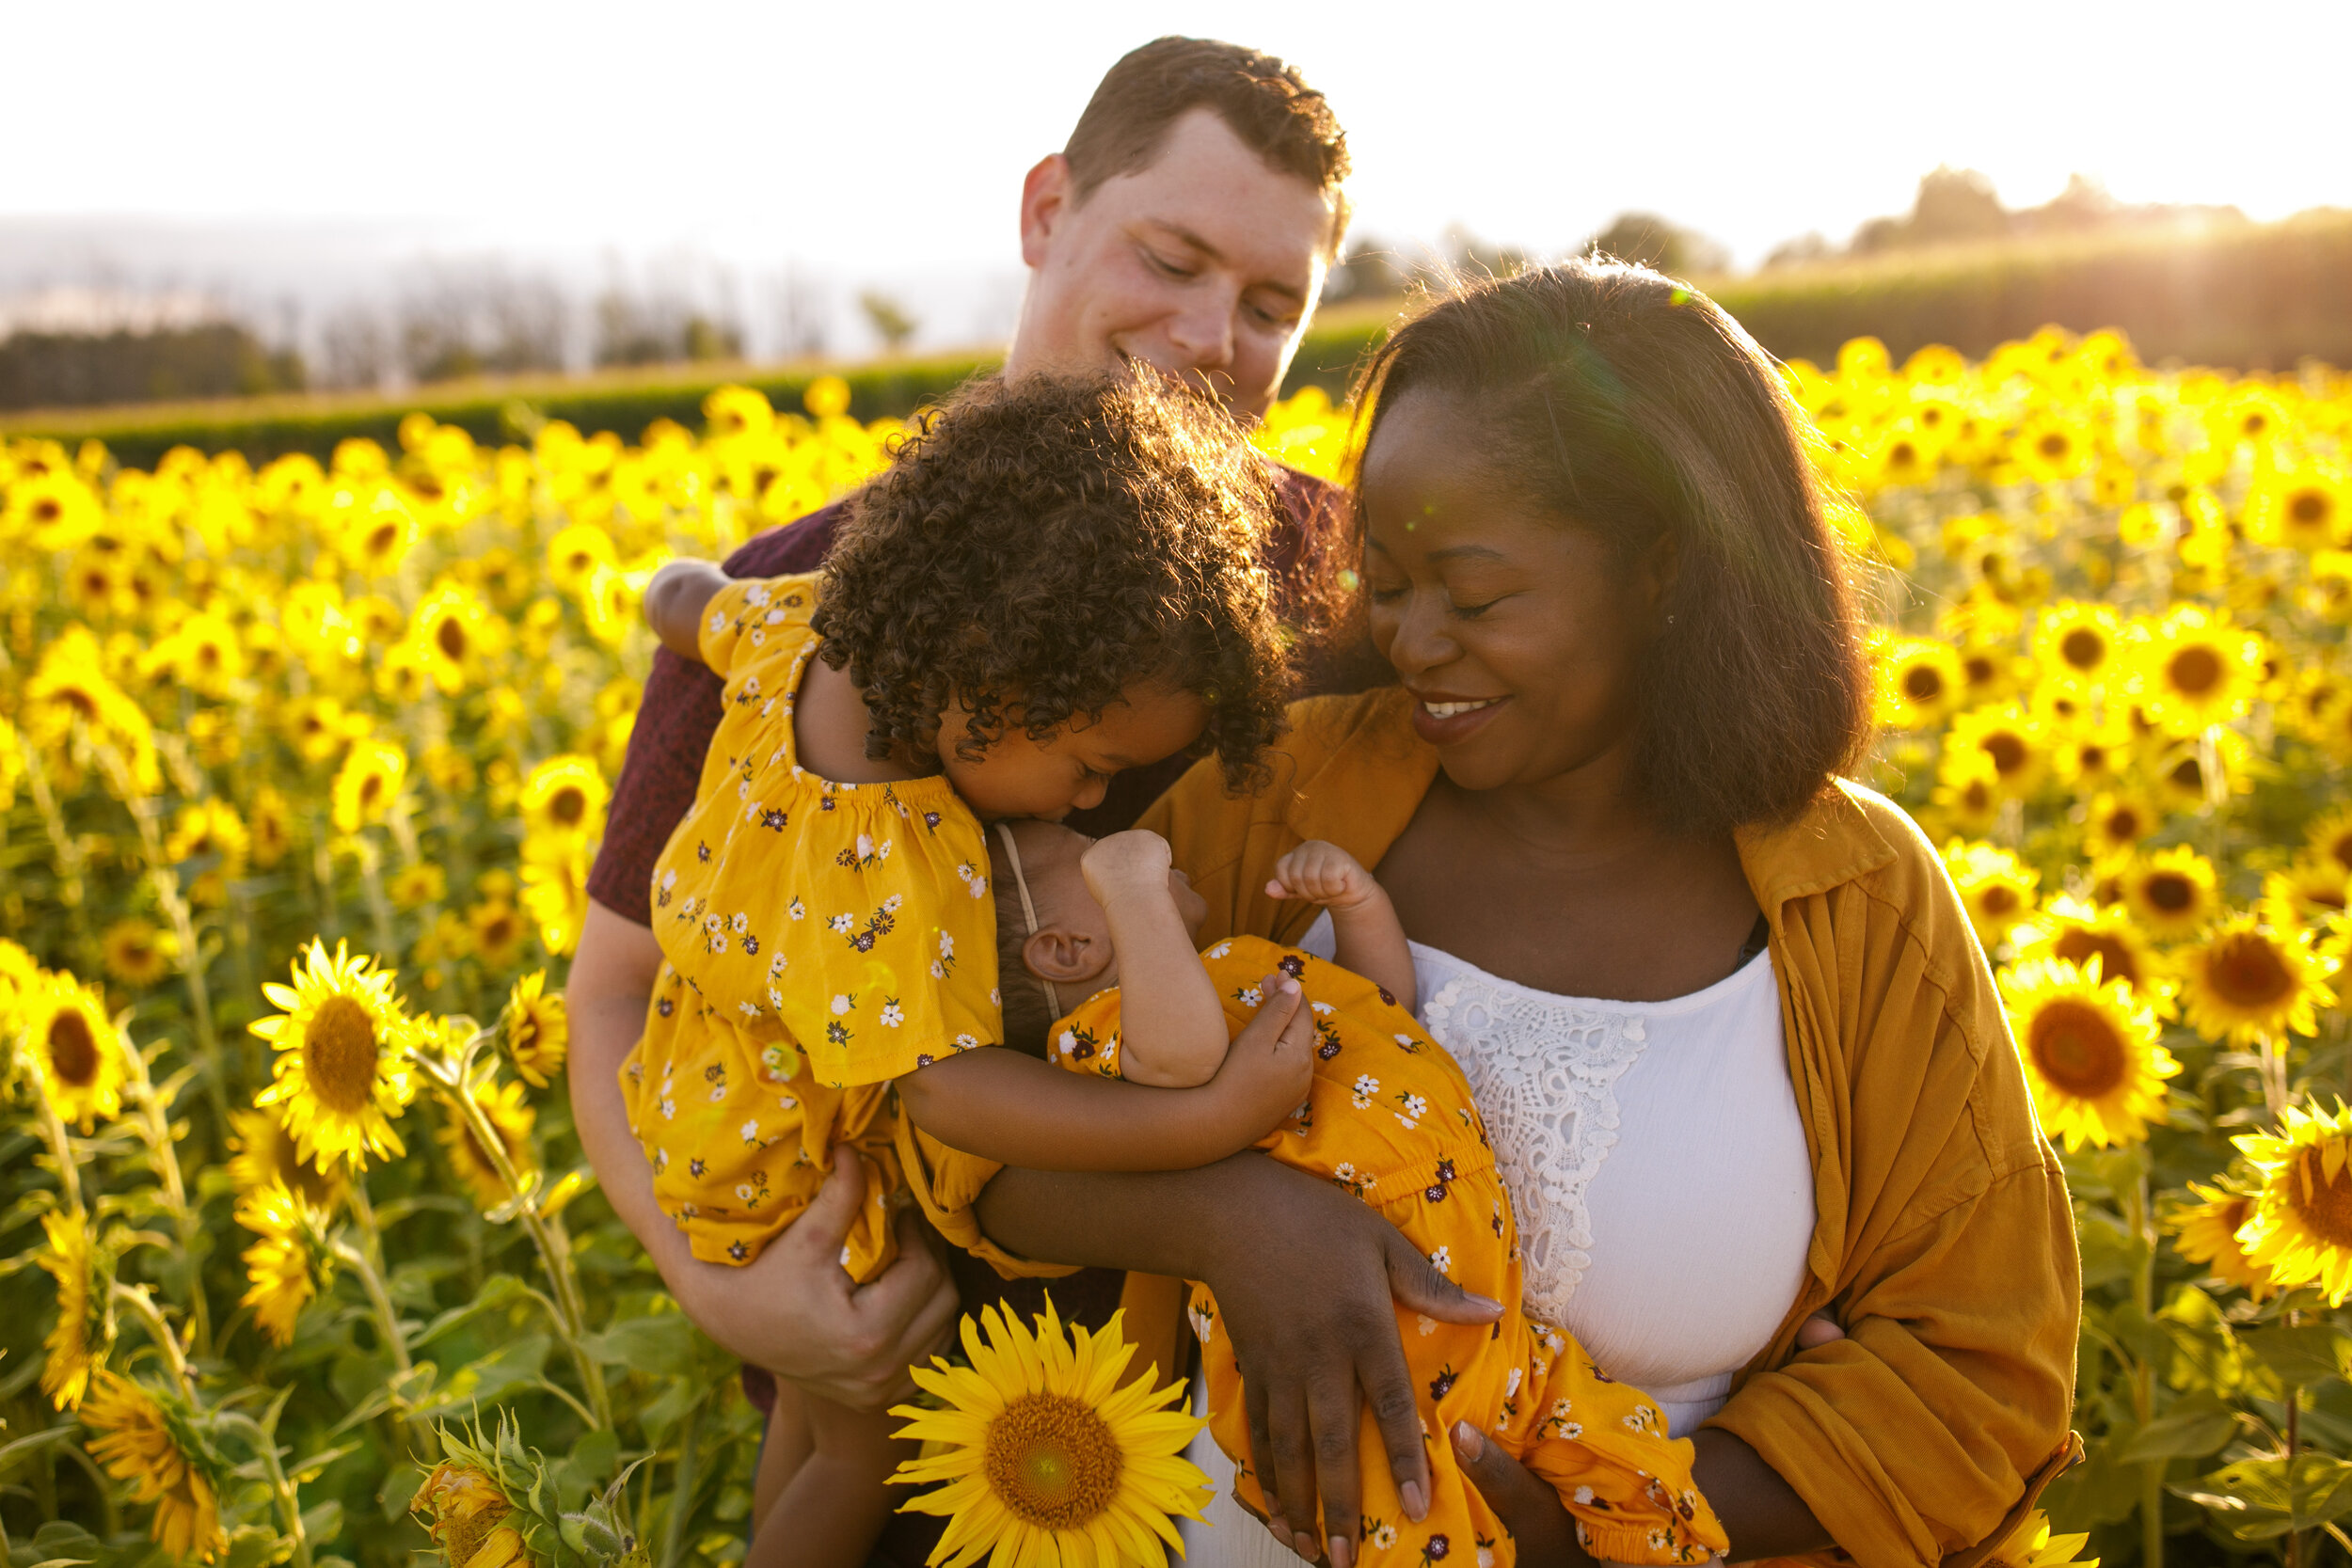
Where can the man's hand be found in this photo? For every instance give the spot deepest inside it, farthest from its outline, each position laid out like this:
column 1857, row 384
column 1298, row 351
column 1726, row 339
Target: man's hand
column 795, row 1310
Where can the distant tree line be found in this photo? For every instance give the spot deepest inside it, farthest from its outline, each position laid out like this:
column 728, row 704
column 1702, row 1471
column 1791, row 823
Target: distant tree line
column 57, row 370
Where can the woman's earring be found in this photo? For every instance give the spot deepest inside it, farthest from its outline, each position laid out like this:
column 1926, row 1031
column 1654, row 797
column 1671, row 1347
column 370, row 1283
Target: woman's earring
column 1670, row 620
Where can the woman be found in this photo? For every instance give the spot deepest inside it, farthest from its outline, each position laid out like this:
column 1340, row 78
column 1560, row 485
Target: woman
column 1741, row 1057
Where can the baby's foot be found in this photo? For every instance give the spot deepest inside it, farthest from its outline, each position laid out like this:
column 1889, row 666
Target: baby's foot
column 1818, row 1330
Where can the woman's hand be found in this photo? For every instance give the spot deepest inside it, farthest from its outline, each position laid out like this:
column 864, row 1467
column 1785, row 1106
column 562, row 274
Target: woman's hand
column 1761, row 1511
column 1542, row 1529
column 1308, row 1281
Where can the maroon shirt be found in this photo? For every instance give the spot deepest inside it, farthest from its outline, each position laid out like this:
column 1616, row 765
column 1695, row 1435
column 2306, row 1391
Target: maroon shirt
column 681, row 712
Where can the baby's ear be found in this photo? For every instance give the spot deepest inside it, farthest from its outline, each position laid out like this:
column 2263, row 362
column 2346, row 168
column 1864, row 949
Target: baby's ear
column 1065, row 957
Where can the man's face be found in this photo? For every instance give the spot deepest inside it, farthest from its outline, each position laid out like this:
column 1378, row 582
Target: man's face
column 1204, row 263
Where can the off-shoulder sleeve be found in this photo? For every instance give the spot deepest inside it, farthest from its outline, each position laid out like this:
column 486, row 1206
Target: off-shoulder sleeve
column 890, row 952
column 747, row 615
column 1945, row 1225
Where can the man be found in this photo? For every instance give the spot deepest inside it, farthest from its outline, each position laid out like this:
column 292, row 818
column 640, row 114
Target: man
column 1187, row 225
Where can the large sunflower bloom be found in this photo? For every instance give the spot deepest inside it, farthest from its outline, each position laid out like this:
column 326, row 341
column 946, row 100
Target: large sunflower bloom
column 2173, row 893
column 565, row 799
column 2206, row 1232
column 1996, row 887
column 1919, row 681
column 2010, row 738
column 281, row 1267
column 2074, row 644
column 261, row 1152
column 2091, row 1051
column 341, row 1070
column 2329, row 834
column 2254, row 976
column 138, row 954
column 75, row 1049
column 2032, row 1546
column 2116, row 821
column 2194, row 669
column 1044, row 1458
column 2085, row 934
column 367, row 782
column 2301, row 1228
column 136, row 1443
column 511, row 1117
column 536, row 1029
column 77, row 1345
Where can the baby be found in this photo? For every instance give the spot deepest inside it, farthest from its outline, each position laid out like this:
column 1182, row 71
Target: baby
column 1097, row 968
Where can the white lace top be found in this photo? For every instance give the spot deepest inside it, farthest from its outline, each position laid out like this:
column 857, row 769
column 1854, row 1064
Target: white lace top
column 1658, row 1169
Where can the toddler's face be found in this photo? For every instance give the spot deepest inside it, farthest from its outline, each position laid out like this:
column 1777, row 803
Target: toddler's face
column 1067, row 911
column 1068, row 771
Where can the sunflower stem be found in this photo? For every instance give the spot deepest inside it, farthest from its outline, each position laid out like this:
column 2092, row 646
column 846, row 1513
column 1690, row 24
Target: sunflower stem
column 144, row 809
column 367, row 1261
column 281, row 1487
column 2138, row 1214
column 61, row 1149
column 154, row 1128
column 66, row 852
column 372, row 882
column 682, row 1484
column 546, row 1234
column 151, row 1317
column 2295, row 1443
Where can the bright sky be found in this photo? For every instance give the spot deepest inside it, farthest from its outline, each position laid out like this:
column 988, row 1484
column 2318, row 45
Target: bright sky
column 894, row 137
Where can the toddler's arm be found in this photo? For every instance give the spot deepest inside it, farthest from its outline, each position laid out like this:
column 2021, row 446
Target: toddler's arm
column 674, row 600
column 1368, row 937
column 1171, row 1023
column 1004, row 1105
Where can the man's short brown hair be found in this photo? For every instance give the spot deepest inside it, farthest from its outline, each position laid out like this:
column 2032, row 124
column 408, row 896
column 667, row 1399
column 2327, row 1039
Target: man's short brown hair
column 1263, row 99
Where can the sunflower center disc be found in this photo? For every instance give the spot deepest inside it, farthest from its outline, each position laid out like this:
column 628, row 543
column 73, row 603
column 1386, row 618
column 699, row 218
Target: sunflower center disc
column 2077, row 1049
column 2008, row 752
column 2083, row 648
column 2246, row 969
column 452, row 639
column 567, row 806
column 2324, row 1206
column 2170, row 892
column 1052, row 1461
column 2194, row 671
column 72, row 1052
column 1923, row 685
column 2309, row 509
column 339, row 1054
column 2079, row 947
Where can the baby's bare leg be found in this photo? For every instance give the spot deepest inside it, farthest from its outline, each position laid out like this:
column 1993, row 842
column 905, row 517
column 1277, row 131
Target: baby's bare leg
column 782, row 1452
column 830, row 1508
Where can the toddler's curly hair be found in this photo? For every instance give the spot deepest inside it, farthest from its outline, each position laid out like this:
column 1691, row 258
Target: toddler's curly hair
column 1051, row 541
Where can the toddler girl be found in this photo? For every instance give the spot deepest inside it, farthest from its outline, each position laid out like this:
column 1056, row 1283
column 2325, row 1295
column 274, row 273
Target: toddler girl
column 1379, row 1108
column 1055, row 580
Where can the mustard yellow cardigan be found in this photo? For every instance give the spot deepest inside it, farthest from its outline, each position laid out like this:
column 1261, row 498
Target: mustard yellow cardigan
column 1945, row 1241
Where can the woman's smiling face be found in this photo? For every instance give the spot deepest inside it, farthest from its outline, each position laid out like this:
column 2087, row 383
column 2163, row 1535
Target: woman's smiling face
column 1516, row 630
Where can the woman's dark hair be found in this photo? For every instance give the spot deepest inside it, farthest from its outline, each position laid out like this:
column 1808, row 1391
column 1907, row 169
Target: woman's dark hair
column 1631, row 407
column 1052, row 541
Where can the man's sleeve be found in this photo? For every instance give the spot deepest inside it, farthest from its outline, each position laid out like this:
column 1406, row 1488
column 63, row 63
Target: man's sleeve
column 676, row 718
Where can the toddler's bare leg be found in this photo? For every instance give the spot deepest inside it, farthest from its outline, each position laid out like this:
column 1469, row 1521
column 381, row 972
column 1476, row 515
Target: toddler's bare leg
column 830, row 1510
column 782, row 1451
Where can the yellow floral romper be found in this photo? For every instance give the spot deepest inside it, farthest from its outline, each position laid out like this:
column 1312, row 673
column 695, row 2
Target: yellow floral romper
column 819, row 940
column 1391, row 1118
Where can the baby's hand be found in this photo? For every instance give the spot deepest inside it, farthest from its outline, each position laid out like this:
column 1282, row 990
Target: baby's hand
column 1322, row 873
column 1137, row 857
column 1818, row 1330
column 1271, row 1065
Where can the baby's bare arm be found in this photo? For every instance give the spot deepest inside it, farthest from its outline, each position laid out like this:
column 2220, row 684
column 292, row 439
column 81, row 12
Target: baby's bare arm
column 1172, row 1024
column 1367, row 935
column 1003, row 1105
column 675, row 601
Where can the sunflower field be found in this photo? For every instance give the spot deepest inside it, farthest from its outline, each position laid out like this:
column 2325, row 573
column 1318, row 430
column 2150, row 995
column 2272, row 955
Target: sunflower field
column 302, row 768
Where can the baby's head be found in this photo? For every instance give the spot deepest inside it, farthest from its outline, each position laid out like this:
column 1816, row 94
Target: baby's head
column 1057, row 579
column 1054, row 947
